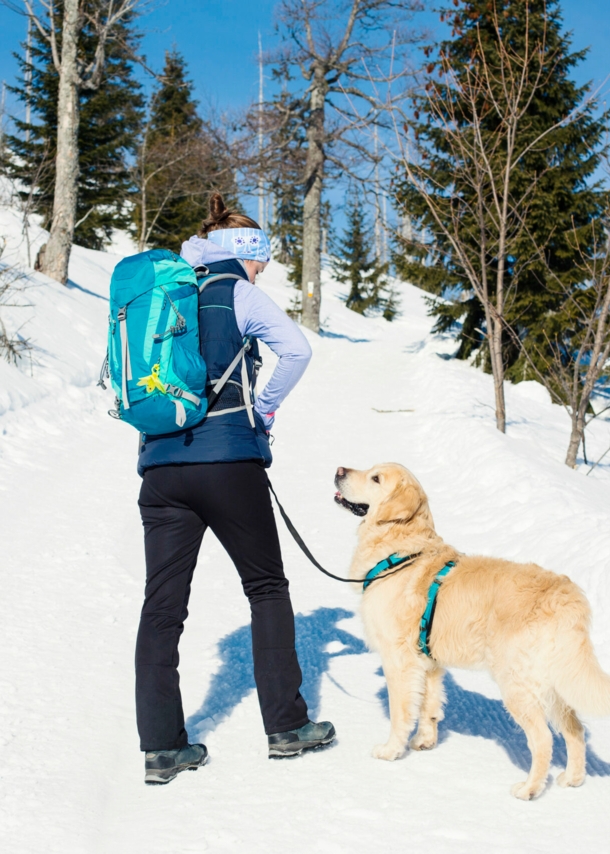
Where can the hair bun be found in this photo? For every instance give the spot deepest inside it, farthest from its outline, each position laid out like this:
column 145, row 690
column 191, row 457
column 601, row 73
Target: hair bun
column 223, row 217
column 218, row 209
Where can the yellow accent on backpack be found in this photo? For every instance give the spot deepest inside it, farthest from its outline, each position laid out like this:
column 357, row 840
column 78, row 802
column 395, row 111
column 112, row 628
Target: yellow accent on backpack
column 153, row 382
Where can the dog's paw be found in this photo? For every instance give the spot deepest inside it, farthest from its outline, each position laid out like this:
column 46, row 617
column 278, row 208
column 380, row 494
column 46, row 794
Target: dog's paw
column 387, row 752
column 423, row 741
column 564, row 780
column 525, row 791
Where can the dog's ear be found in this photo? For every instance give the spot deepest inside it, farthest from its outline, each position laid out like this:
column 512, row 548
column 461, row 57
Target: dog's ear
column 401, row 505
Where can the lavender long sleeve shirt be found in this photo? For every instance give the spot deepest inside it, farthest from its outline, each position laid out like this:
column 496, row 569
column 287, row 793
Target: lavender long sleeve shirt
column 256, row 314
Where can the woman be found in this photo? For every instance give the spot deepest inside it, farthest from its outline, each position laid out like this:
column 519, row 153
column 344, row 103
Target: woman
column 213, row 475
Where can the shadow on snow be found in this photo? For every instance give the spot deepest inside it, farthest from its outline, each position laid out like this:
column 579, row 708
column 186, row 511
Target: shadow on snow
column 235, row 679
column 471, row 713
column 466, row 712
column 73, row 286
column 324, row 333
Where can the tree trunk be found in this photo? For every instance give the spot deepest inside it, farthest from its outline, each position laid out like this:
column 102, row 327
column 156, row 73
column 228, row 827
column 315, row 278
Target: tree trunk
column 578, row 429
column 497, row 366
column 144, row 217
column 598, row 357
column 494, row 342
column 499, row 312
column 312, row 207
column 57, row 251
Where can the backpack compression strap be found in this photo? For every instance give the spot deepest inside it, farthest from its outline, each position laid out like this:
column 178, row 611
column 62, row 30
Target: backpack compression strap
column 126, row 367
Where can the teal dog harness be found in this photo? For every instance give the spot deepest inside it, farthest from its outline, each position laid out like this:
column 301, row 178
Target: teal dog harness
column 425, row 626
column 387, row 563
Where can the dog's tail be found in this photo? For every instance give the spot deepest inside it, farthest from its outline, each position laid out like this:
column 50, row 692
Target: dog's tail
column 579, row 679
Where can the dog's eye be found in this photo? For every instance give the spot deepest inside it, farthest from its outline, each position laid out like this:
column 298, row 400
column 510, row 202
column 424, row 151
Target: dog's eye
column 375, row 478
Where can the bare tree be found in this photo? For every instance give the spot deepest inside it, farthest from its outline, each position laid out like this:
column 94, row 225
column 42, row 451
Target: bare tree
column 169, row 168
column 159, row 176
column 13, row 283
column 275, row 164
column 481, row 110
column 574, row 353
column 341, row 49
column 2, row 134
column 26, row 202
column 74, row 75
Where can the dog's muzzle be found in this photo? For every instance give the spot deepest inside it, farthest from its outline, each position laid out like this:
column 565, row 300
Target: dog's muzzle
column 356, row 509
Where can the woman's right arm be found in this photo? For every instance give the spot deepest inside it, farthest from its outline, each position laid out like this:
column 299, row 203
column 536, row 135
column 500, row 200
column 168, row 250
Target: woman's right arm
column 256, row 314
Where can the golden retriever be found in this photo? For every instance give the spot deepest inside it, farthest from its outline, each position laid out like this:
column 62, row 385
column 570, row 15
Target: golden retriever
column 527, row 626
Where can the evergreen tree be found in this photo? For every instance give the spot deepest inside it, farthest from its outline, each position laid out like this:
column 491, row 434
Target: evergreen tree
column 110, row 119
column 181, row 160
column 284, row 170
column 174, row 121
column 358, row 267
column 287, row 226
column 555, row 176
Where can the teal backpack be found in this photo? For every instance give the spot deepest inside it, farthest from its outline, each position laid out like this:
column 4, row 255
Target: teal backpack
column 153, row 359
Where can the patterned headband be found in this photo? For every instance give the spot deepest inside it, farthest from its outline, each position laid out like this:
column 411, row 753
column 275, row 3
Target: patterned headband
column 250, row 243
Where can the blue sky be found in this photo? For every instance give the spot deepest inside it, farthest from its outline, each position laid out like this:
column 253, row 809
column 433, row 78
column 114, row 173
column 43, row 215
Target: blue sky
column 219, row 41
column 219, row 38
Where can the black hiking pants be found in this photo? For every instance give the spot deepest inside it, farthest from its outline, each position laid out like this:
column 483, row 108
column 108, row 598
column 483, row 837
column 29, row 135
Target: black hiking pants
column 177, row 504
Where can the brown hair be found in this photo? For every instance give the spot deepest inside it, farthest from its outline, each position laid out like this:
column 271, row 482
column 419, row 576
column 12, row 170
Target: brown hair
column 221, row 217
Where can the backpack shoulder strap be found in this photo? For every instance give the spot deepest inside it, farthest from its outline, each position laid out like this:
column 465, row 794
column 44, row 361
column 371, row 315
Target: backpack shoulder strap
column 206, row 279
column 203, row 274
column 219, row 384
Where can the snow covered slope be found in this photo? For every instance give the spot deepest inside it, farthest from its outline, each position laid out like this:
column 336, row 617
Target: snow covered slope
column 72, row 580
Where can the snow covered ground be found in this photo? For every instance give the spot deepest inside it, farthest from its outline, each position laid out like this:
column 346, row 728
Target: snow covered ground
column 72, row 579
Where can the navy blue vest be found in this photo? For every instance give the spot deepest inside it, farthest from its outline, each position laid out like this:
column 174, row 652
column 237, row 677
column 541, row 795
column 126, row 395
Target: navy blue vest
column 226, row 437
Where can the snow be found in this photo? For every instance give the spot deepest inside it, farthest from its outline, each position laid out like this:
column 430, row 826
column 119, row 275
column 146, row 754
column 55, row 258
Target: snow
column 71, row 774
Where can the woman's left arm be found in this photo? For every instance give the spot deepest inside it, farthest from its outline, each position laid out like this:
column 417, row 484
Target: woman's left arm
column 256, row 314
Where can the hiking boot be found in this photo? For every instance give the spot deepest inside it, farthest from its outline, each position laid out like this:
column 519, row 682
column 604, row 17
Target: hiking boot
column 161, row 766
column 295, row 741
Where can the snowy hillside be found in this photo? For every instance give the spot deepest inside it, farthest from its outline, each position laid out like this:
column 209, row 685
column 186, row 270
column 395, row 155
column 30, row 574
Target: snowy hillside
column 72, row 580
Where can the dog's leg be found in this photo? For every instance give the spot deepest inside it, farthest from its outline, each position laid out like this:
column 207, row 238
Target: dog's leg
column 431, row 711
column 565, row 720
column 406, row 684
column 526, row 709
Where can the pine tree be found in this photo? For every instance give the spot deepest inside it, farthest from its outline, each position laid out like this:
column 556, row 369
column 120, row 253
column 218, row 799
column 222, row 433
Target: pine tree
column 180, row 162
column 110, row 119
column 287, row 226
column 356, row 265
column 284, row 168
column 557, row 174
column 174, row 120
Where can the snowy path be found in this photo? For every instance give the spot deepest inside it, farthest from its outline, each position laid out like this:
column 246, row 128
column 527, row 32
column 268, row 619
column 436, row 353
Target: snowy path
column 72, row 570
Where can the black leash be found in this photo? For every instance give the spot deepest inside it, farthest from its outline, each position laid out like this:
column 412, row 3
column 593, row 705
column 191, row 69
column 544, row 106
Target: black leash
column 301, row 544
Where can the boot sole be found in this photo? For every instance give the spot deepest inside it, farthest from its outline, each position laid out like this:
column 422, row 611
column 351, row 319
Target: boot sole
column 156, row 778
column 277, row 752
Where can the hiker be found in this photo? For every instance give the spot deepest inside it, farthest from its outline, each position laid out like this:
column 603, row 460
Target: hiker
column 213, row 475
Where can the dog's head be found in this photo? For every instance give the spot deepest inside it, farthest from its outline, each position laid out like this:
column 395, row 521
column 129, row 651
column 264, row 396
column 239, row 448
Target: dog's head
column 386, row 494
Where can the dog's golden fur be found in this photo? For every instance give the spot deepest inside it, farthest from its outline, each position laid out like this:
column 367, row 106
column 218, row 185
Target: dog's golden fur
column 527, row 626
